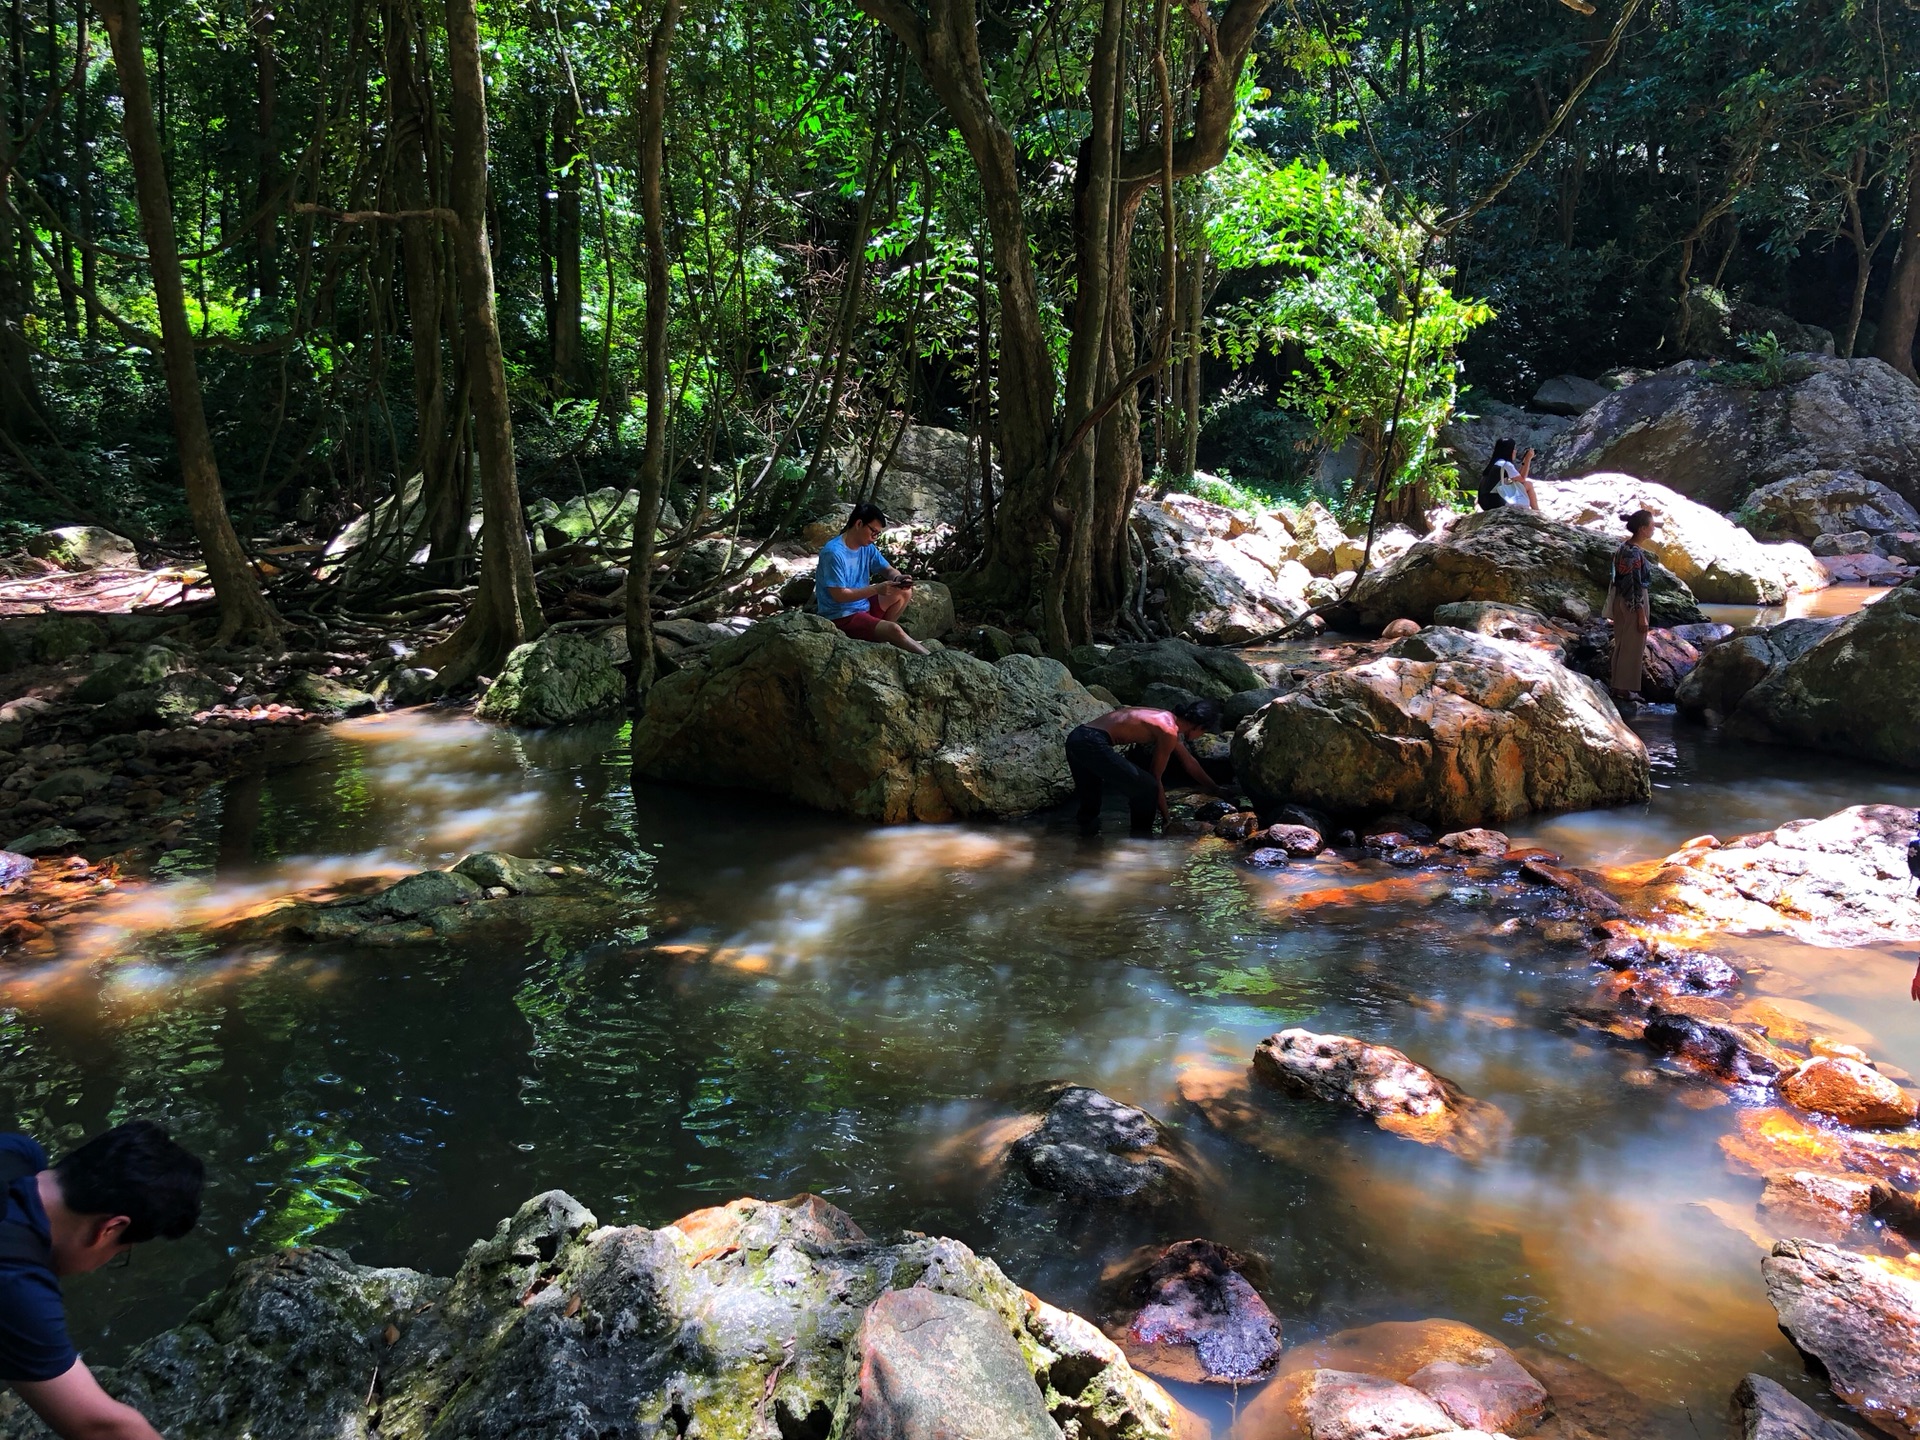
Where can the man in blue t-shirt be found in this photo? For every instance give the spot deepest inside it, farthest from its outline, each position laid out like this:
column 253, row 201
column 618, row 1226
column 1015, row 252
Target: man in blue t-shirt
column 118, row 1189
column 846, row 592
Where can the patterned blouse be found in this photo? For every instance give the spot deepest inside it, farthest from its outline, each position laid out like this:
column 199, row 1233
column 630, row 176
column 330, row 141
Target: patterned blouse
column 1632, row 575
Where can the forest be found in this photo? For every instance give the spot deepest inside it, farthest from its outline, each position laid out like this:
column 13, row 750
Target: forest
column 263, row 267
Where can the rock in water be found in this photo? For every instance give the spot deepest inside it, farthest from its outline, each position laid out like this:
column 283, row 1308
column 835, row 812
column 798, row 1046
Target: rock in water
column 1827, row 502
column 749, row 1319
column 1841, row 880
column 795, row 708
column 84, row 547
column 1845, row 1090
column 1515, row 557
column 1196, row 1318
column 1718, row 442
column 1341, row 1405
column 933, row 1366
column 1763, row 1409
column 560, row 679
column 1730, row 669
column 1093, row 1148
column 1453, row 728
column 323, row 695
column 1855, row 692
column 1858, row 1320
column 1713, row 557
column 1400, row 1096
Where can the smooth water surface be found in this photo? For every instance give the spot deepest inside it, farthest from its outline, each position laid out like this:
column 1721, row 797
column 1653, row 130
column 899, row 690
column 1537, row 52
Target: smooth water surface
column 798, row 1003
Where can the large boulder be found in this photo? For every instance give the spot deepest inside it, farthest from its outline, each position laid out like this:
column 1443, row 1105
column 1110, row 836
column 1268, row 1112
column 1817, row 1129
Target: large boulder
column 925, row 481
column 1127, row 671
column 1827, row 502
column 1515, row 557
column 1718, row 326
column 1728, row 670
column 795, row 708
column 1468, row 437
column 1713, row 557
column 84, row 547
column 1226, row 577
column 929, row 612
column 1452, row 728
column 1568, row 395
column 1841, row 880
column 749, row 1319
column 1857, row 1320
column 1856, row 691
column 1399, row 1095
column 1719, row 442
column 562, row 678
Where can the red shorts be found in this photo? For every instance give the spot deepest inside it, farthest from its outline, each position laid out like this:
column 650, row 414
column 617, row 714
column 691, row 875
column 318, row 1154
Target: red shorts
column 860, row 625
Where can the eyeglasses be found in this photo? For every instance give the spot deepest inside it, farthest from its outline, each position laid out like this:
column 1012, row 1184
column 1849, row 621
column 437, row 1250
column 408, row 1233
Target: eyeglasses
column 120, row 1261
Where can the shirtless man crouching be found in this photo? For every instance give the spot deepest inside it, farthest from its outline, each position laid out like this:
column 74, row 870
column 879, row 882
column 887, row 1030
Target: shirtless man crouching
column 1093, row 755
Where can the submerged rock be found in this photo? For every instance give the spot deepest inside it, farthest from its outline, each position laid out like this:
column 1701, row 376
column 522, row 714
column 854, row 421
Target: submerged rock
column 1096, row 1149
column 484, row 890
column 1703, row 1035
column 562, row 678
column 1447, row 726
column 1513, row 557
column 1841, row 880
column 751, row 1319
column 1763, row 1409
column 1190, row 1314
column 795, row 708
column 1857, row 1319
column 1379, row 1082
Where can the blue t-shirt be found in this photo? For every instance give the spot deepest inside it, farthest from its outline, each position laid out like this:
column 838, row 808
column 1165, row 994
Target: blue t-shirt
column 844, row 569
column 33, row 1318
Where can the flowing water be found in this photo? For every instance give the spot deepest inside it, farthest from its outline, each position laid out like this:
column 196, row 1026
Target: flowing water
column 850, row 1008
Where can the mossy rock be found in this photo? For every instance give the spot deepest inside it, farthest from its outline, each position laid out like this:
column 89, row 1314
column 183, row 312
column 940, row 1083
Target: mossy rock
column 66, row 637
column 562, row 678
column 139, row 671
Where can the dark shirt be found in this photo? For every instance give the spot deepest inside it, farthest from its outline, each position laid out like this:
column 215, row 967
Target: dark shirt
column 33, row 1318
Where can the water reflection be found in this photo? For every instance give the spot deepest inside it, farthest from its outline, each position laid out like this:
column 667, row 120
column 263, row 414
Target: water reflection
column 802, row 1003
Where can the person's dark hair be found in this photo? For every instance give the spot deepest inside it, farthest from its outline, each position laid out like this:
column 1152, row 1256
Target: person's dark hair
column 1490, row 473
column 865, row 513
column 135, row 1170
column 1204, row 713
column 1634, row 521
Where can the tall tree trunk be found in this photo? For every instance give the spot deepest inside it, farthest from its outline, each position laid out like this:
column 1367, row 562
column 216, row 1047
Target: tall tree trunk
column 19, row 399
column 506, row 609
column 653, row 128
column 83, row 167
column 1900, row 310
column 1190, row 391
column 266, row 90
column 568, row 376
column 443, row 488
column 244, row 611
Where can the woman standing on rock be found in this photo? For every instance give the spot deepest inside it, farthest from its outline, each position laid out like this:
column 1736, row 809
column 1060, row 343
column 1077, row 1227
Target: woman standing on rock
column 1629, row 604
column 1505, row 483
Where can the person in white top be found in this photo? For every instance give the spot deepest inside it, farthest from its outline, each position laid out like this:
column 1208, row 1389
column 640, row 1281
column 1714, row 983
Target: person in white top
column 1505, row 483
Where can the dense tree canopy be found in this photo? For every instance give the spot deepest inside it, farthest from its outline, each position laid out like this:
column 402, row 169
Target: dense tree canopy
column 283, row 261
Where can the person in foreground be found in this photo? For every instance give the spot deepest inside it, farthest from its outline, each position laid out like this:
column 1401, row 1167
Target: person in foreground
column 115, row 1191
column 1094, row 757
column 845, row 589
column 1629, row 605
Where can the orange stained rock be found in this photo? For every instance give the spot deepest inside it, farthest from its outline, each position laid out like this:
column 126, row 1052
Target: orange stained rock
column 1393, row 890
column 1775, row 1139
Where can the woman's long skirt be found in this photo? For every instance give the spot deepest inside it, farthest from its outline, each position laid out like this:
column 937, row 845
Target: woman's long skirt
column 1629, row 647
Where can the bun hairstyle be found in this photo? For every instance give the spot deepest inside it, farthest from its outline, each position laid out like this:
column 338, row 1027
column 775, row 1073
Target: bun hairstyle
column 1636, row 521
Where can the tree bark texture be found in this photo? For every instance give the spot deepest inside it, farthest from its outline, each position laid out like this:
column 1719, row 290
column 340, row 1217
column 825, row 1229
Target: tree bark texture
column 244, row 611
column 506, row 609
column 444, row 499
column 1024, row 563
column 1900, row 310
column 19, row 397
column 653, row 456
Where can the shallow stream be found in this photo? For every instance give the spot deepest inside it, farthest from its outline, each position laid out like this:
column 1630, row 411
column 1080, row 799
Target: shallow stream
column 853, row 1004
